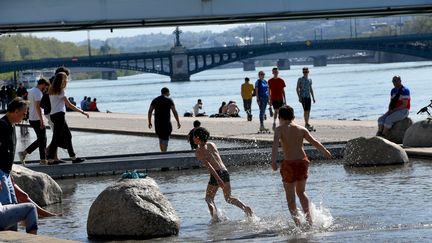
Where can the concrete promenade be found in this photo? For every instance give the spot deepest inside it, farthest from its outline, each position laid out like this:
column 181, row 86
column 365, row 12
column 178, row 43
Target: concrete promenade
column 333, row 133
column 327, row 131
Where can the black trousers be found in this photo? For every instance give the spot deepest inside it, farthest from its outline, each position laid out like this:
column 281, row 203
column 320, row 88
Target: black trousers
column 41, row 140
column 247, row 105
column 62, row 136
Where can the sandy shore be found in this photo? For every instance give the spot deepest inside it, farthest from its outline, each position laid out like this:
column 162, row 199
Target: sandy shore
column 236, row 128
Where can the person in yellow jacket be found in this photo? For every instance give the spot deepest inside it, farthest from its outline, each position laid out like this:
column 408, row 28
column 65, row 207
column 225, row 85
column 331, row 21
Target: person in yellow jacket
column 247, row 92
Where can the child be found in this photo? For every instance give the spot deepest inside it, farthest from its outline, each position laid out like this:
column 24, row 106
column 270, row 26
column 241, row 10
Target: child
column 219, row 176
column 196, row 124
column 294, row 168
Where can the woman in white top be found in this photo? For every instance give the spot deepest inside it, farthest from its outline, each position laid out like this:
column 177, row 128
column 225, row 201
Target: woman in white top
column 62, row 136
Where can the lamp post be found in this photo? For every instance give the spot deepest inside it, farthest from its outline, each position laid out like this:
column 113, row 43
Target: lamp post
column 88, row 43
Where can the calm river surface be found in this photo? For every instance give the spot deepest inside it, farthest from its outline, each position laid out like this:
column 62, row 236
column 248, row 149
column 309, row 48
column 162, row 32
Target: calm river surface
column 349, row 91
column 387, row 204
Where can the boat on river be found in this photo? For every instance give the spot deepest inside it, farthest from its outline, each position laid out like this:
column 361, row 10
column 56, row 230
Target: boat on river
column 30, row 77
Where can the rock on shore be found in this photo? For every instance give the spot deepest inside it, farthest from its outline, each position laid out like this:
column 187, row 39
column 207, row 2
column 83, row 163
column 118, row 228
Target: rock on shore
column 419, row 134
column 132, row 209
column 372, row 152
column 40, row 187
column 397, row 132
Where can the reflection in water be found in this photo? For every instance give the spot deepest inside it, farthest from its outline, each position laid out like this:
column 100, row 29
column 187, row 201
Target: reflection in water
column 385, row 203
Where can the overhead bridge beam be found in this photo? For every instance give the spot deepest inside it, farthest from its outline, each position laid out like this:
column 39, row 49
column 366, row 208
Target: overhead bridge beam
column 66, row 15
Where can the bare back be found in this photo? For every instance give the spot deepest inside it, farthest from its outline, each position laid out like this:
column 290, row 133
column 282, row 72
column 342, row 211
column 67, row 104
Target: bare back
column 291, row 137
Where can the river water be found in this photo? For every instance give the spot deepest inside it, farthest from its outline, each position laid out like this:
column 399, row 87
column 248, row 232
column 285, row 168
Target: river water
column 349, row 91
column 384, row 204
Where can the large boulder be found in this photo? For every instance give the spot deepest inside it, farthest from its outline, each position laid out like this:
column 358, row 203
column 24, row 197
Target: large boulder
column 419, row 134
column 372, row 152
column 397, row 132
column 40, row 187
column 132, row 209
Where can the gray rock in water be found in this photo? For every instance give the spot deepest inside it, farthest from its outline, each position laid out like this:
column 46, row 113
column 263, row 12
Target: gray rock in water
column 419, row 134
column 132, row 209
column 372, row 152
column 40, row 187
column 397, row 132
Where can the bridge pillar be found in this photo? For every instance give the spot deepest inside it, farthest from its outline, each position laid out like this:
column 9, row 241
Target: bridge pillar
column 320, row 61
column 384, row 57
column 179, row 64
column 109, row 75
column 249, row 65
column 284, row 64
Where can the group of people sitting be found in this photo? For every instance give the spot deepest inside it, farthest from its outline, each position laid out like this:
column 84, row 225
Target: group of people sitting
column 228, row 110
column 88, row 105
column 225, row 110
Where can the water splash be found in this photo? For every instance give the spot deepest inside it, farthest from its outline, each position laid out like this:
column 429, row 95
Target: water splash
column 219, row 217
column 321, row 216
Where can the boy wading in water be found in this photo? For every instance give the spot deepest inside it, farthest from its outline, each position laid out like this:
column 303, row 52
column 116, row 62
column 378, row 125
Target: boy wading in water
column 219, row 176
column 294, row 168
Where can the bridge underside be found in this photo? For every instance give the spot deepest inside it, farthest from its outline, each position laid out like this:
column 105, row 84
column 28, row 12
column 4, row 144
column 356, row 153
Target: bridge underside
column 66, row 15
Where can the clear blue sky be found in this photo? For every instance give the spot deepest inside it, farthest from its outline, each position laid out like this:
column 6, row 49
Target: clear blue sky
column 77, row 36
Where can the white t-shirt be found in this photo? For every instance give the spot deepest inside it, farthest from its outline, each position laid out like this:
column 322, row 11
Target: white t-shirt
column 57, row 103
column 34, row 95
column 196, row 109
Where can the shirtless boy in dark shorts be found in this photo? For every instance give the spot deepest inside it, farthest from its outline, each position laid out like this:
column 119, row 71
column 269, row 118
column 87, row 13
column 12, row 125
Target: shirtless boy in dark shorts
column 208, row 153
column 294, row 168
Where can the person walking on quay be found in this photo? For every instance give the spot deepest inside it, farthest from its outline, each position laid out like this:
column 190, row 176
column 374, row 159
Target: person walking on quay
column 262, row 96
column 294, row 168
column 208, row 154
column 21, row 91
column 62, row 136
column 398, row 109
column 304, row 93
column 3, row 98
column 10, row 211
column 247, row 91
column 36, row 122
column 277, row 93
column 162, row 106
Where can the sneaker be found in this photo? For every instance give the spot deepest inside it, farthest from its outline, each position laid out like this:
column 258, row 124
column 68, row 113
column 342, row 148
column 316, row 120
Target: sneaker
column 44, row 162
column 262, row 128
column 78, row 160
column 22, row 156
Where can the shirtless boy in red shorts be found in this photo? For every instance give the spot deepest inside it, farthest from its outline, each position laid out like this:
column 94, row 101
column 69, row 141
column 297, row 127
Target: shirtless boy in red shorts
column 208, row 153
column 294, row 168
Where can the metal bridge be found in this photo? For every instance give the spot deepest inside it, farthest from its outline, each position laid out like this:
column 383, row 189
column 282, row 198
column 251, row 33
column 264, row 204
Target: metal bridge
column 179, row 63
column 67, row 15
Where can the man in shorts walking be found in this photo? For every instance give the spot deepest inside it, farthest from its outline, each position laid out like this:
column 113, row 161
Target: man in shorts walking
column 277, row 94
column 295, row 166
column 163, row 105
column 304, row 93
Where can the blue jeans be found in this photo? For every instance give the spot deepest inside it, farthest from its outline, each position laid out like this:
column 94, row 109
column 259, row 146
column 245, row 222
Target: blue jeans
column 12, row 214
column 387, row 120
column 263, row 101
column 7, row 192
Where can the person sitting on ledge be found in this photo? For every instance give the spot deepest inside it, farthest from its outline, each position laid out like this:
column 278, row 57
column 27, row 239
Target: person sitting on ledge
column 232, row 109
column 197, row 109
column 398, row 108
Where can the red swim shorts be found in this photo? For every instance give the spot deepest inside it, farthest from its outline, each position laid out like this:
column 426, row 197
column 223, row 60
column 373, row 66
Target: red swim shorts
column 294, row 170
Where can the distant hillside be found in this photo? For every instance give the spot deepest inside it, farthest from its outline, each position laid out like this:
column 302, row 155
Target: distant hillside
column 255, row 34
